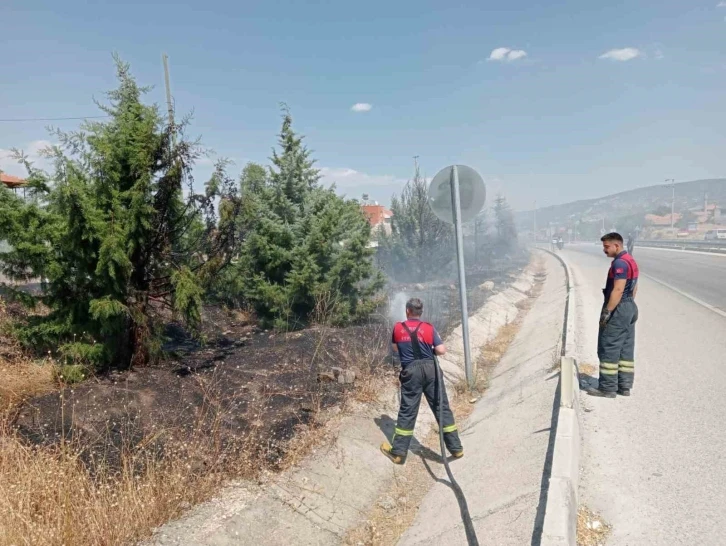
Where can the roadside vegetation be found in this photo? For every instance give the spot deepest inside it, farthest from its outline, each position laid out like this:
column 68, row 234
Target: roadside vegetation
column 159, row 337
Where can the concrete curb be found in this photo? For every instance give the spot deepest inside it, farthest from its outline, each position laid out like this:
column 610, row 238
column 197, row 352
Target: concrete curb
column 560, row 520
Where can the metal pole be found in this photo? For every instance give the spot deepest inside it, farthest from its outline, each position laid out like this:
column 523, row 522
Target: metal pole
column 673, row 204
column 673, row 198
column 456, row 207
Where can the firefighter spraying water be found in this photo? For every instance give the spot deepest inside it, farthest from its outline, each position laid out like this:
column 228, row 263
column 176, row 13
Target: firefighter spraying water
column 417, row 343
column 456, row 195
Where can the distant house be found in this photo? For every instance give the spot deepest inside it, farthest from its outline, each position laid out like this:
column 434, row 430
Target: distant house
column 11, row 182
column 379, row 217
column 709, row 214
column 662, row 221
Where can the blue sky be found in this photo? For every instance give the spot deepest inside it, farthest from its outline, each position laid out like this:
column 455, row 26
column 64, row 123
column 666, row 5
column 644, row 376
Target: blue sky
column 546, row 119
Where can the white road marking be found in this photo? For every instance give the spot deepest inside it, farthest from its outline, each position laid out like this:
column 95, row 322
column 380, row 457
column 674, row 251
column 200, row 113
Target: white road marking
column 720, row 254
column 687, row 295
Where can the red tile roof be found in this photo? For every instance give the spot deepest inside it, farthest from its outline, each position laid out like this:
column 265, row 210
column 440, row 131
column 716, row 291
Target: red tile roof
column 11, row 181
column 376, row 214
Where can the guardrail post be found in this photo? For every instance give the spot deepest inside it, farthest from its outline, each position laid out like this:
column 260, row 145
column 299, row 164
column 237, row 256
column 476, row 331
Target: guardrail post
column 567, row 376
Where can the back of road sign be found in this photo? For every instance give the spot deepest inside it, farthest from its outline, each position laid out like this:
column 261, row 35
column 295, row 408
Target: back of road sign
column 472, row 193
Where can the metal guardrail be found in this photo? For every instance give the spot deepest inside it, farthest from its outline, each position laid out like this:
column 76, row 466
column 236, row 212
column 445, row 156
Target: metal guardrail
column 717, row 246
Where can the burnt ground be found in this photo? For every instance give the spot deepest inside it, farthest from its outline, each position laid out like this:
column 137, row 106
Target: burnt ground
column 246, row 388
column 244, row 391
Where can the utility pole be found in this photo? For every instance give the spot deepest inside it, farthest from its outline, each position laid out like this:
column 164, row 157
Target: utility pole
column 673, row 200
column 415, row 164
column 172, row 127
column 170, row 108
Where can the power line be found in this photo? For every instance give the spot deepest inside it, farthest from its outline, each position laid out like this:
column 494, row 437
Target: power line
column 17, row 120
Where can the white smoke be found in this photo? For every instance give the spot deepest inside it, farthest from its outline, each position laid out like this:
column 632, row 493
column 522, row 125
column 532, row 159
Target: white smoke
column 397, row 307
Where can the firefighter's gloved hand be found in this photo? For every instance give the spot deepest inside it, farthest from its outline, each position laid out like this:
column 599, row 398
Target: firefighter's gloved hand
column 605, row 317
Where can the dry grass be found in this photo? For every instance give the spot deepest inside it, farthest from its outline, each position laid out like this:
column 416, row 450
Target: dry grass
column 47, row 496
column 591, row 530
column 20, row 377
column 61, row 494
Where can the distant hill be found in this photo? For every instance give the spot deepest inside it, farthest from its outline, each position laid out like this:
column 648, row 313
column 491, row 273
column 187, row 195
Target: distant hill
column 628, row 204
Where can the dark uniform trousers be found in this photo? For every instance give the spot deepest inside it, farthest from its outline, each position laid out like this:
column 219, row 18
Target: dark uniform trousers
column 616, row 347
column 417, row 378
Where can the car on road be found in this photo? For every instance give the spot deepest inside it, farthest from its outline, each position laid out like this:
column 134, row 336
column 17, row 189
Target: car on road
column 713, row 234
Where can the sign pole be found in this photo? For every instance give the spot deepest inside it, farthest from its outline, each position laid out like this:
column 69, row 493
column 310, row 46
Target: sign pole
column 456, row 206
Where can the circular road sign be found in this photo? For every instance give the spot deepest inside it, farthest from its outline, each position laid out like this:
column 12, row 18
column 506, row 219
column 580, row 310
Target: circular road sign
column 472, row 193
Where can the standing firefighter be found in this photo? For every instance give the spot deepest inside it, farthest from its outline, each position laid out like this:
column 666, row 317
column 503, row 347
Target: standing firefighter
column 416, row 343
column 616, row 341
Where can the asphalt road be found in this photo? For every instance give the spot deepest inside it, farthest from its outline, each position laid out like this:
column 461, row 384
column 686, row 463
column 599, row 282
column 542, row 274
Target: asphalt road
column 654, row 464
column 700, row 275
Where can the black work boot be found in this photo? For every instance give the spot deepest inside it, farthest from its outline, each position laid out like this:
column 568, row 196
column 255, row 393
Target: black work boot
column 600, row 393
column 624, row 392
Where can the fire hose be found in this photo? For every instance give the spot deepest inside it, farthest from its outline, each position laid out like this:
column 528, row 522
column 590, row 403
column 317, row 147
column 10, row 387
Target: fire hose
column 461, row 499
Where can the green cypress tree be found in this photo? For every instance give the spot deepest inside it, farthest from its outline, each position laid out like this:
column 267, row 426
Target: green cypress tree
column 305, row 249
column 109, row 231
column 420, row 245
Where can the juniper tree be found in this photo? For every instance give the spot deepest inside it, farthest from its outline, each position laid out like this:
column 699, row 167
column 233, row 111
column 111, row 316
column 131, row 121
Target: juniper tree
column 420, row 245
column 117, row 234
column 305, row 249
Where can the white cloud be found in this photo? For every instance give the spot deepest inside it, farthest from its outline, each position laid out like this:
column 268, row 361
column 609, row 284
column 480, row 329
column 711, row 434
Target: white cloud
column 658, row 55
column 516, row 54
column 33, row 151
column 499, row 54
column 361, row 107
column 721, row 5
column 624, row 54
column 505, row 54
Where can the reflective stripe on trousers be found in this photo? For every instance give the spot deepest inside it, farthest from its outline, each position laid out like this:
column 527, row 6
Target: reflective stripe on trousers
column 419, row 379
column 616, row 348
